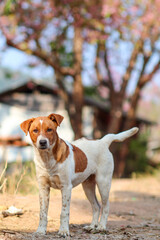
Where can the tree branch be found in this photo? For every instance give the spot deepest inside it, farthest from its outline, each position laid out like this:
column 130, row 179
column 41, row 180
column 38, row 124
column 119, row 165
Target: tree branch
column 137, row 49
column 44, row 57
column 97, row 61
column 77, row 48
column 141, row 83
column 110, row 79
column 147, row 77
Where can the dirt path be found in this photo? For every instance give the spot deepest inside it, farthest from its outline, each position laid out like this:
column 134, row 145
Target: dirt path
column 134, row 213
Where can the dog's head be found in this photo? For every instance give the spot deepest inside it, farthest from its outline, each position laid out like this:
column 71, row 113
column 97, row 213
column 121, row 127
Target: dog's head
column 42, row 130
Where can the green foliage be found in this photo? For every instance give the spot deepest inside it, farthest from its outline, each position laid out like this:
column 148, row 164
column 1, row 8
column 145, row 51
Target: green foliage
column 66, row 59
column 137, row 160
column 8, row 75
column 9, row 6
column 90, row 91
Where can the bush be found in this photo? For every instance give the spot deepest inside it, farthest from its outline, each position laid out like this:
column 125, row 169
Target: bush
column 137, row 160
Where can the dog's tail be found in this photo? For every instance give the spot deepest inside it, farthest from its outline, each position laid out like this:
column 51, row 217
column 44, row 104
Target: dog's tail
column 120, row 137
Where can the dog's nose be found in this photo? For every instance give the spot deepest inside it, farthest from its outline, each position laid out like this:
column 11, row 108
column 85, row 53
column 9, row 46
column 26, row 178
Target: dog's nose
column 43, row 143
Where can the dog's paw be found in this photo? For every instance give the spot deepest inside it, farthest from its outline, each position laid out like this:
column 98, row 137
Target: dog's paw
column 40, row 231
column 101, row 228
column 63, row 232
column 90, row 228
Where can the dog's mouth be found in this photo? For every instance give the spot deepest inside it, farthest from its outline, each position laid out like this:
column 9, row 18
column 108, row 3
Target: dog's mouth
column 43, row 144
column 43, row 147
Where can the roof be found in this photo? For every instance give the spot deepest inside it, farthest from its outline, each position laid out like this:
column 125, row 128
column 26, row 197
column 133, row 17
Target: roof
column 31, row 94
column 105, row 107
column 30, row 86
column 17, row 81
column 24, row 84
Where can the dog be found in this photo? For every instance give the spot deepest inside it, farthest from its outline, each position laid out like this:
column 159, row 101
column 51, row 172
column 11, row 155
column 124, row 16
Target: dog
column 62, row 165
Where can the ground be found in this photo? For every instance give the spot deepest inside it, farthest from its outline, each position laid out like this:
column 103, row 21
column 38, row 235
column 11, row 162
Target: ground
column 134, row 213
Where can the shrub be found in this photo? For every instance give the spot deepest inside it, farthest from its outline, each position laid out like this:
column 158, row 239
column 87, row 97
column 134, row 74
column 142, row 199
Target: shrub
column 137, row 160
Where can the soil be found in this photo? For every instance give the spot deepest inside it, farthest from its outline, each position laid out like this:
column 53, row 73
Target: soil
column 134, row 213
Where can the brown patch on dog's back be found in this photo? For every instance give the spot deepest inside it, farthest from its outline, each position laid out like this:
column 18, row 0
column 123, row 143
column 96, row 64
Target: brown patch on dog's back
column 80, row 159
column 60, row 150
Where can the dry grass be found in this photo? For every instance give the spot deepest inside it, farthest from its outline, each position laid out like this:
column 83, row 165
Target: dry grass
column 18, row 178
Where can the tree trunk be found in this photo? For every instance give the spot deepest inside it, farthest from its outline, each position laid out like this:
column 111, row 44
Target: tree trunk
column 129, row 123
column 73, row 103
column 115, row 123
column 78, row 94
column 115, row 120
column 78, row 99
column 121, row 157
column 74, row 106
column 116, row 112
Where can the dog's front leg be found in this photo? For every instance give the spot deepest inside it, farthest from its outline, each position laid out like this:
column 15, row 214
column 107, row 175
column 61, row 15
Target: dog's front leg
column 64, row 219
column 44, row 192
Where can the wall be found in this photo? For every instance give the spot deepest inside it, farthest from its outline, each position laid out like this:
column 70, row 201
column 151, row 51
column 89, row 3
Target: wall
column 10, row 119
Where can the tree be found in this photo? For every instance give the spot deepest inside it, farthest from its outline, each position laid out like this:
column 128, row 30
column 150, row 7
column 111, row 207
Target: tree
column 44, row 29
column 139, row 29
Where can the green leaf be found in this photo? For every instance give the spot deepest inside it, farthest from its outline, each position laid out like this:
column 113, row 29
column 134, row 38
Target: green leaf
column 9, row 6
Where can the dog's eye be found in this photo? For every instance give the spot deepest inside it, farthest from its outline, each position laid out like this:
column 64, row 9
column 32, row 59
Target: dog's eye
column 35, row 130
column 49, row 130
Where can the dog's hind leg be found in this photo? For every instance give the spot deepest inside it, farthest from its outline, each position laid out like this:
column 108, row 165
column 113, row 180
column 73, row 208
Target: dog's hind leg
column 103, row 180
column 89, row 189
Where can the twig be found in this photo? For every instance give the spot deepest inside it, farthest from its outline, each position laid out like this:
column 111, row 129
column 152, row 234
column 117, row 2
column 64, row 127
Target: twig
column 3, row 184
column 22, row 175
column 5, row 167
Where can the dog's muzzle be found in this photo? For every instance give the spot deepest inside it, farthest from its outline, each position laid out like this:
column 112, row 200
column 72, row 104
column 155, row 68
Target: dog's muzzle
column 42, row 143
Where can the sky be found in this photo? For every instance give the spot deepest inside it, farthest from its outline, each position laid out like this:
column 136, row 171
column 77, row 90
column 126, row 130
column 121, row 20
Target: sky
column 17, row 60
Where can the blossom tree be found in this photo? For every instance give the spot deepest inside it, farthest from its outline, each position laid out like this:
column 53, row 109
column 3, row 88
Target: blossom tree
column 54, row 32
column 130, row 55
column 133, row 47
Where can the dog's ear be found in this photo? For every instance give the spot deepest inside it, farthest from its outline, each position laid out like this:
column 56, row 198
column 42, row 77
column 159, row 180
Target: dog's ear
column 56, row 118
column 26, row 125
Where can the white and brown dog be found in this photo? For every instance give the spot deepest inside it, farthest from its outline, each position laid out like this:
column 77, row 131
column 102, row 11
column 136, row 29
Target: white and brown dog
column 62, row 165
